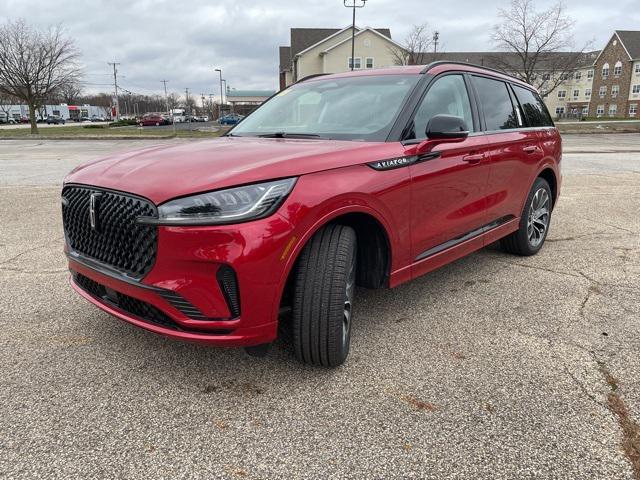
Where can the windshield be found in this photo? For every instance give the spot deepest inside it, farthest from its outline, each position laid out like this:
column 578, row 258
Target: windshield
column 348, row 108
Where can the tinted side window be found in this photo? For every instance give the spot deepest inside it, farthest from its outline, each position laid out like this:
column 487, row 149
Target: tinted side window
column 533, row 108
column 447, row 95
column 499, row 113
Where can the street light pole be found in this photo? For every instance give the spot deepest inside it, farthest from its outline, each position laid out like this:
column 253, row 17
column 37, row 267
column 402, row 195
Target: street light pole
column 353, row 6
column 219, row 70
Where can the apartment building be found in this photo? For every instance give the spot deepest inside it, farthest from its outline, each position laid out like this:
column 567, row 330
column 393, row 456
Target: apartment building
column 616, row 80
column 328, row 50
column 604, row 83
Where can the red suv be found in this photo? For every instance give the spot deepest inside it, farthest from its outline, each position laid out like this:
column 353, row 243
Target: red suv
column 366, row 178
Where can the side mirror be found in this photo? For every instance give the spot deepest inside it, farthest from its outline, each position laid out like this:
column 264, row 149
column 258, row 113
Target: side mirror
column 446, row 127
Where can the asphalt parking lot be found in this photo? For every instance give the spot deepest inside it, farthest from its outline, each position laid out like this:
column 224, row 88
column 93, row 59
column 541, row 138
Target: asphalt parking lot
column 492, row 367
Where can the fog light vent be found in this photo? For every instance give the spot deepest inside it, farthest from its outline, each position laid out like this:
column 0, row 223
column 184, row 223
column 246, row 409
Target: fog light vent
column 229, row 285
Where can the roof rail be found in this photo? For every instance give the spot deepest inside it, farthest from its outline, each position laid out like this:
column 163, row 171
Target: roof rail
column 309, row 77
column 454, row 62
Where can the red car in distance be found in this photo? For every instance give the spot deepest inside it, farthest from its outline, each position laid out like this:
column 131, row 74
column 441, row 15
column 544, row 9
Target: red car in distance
column 368, row 178
column 152, row 119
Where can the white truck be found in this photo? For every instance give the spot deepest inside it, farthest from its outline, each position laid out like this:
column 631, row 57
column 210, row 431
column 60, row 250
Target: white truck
column 178, row 115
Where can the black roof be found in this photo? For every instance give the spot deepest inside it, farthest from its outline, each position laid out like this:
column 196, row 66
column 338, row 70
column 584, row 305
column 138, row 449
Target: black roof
column 631, row 41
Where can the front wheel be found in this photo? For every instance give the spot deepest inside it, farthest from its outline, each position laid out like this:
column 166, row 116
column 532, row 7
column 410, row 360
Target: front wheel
column 534, row 222
column 324, row 288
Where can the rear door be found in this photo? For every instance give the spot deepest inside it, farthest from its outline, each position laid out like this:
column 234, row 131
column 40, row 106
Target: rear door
column 448, row 188
column 514, row 148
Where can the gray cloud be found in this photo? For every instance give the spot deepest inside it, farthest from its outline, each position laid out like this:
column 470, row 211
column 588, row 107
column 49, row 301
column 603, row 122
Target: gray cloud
column 183, row 41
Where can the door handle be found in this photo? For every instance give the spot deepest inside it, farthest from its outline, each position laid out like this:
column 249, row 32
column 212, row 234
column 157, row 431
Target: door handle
column 530, row 149
column 474, row 158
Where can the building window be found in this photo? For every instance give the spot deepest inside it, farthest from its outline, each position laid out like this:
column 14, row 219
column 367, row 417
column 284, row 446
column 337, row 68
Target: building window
column 578, row 76
column 564, row 76
column 617, row 69
column 589, row 74
column 358, row 63
column 635, row 89
column 546, row 76
column 613, row 109
column 637, row 68
column 562, row 94
column 369, row 62
column 605, row 70
column 587, row 92
column 585, row 110
column 576, row 93
column 633, row 109
column 615, row 90
column 600, row 110
column 603, row 91
column 559, row 111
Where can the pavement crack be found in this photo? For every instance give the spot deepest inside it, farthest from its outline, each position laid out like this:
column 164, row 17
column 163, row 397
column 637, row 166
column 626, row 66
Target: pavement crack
column 535, row 267
column 630, row 428
column 29, row 250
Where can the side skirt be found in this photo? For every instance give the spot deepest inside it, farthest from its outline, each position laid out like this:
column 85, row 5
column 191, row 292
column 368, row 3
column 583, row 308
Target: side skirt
column 456, row 248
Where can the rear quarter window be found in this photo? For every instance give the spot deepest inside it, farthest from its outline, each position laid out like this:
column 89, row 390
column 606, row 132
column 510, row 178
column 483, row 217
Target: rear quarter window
column 497, row 107
column 533, row 108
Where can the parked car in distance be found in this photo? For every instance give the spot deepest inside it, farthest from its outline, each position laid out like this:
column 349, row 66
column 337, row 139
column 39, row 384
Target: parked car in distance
column 97, row 118
column 55, row 120
column 150, row 119
column 230, row 119
column 368, row 178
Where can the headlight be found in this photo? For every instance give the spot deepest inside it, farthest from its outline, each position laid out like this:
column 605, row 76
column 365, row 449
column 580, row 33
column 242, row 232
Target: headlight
column 233, row 205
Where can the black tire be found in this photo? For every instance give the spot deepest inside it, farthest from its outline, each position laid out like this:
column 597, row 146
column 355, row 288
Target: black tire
column 324, row 284
column 520, row 242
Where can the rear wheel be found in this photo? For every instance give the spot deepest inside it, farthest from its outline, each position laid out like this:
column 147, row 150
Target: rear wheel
column 534, row 222
column 324, row 287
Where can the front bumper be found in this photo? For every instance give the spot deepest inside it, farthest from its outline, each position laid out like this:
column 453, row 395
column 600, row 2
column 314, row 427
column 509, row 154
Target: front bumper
column 183, row 285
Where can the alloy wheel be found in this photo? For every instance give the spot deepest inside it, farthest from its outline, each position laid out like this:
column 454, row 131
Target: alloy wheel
column 349, row 291
column 538, row 219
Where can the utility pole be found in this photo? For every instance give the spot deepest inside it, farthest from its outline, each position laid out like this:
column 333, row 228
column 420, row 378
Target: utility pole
column 354, row 5
column 115, row 85
column 211, row 106
column 186, row 99
column 166, row 98
column 219, row 70
column 436, row 37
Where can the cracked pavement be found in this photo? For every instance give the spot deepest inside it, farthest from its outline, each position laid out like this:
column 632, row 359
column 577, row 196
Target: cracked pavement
column 491, row 367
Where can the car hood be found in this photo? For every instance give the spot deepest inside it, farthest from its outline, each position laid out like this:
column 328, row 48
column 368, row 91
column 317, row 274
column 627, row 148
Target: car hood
column 163, row 172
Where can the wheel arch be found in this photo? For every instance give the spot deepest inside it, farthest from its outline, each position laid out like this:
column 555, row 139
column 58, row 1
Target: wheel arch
column 374, row 248
column 549, row 175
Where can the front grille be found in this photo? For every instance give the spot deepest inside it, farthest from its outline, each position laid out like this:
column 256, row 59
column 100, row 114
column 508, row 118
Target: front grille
column 117, row 240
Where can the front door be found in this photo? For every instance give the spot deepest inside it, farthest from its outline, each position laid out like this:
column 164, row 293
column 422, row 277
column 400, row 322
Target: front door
column 448, row 190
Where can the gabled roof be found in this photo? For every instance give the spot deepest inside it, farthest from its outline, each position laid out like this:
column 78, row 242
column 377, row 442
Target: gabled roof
column 366, row 29
column 631, row 41
column 303, row 38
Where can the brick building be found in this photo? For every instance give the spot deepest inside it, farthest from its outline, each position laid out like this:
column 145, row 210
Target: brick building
column 616, row 80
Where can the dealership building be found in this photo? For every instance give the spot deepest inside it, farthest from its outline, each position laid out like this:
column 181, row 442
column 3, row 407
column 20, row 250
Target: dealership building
column 68, row 112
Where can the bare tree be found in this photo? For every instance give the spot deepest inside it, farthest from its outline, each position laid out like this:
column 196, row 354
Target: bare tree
column 69, row 93
column 541, row 42
column 416, row 47
column 35, row 64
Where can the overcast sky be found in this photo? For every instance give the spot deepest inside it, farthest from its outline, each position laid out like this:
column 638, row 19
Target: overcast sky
column 183, row 41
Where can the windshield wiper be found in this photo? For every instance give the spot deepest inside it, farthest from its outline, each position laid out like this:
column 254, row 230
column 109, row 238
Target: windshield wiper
column 288, row 135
